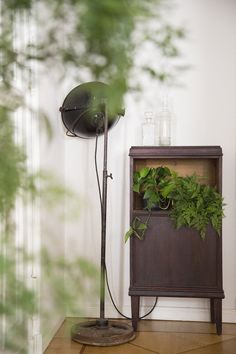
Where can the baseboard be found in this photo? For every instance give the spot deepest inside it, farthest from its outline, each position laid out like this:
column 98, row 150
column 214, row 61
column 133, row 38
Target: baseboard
column 165, row 313
column 51, row 333
column 229, row 315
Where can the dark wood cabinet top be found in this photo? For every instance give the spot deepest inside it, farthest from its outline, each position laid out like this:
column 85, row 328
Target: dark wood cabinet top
column 180, row 151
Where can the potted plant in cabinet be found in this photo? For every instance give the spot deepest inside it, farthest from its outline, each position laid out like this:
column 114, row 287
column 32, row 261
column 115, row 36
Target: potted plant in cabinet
column 189, row 202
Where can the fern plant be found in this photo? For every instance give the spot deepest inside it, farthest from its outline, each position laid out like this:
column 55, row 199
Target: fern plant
column 195, row 205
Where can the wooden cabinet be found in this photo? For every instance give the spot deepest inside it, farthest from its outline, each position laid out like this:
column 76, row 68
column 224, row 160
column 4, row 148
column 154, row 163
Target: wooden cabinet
column 170, row 262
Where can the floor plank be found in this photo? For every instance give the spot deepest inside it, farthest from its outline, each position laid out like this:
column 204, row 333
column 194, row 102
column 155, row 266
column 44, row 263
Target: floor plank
column 160, row 337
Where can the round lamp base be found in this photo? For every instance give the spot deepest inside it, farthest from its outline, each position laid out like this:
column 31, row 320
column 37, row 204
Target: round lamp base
column 106, row 333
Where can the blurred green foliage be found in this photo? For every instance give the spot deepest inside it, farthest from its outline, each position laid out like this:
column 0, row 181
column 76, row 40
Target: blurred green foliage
column 100, row 38
column 12, row 167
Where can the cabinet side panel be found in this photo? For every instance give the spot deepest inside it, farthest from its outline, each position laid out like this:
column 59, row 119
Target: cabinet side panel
column 131, row 218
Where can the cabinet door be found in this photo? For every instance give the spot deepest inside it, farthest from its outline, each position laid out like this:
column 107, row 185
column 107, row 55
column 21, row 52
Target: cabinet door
column 175, row 259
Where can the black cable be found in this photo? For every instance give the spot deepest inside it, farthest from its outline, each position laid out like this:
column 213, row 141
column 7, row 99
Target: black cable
column 113, row 302
column 96, row 169
column 107, row 282
column 148, row 313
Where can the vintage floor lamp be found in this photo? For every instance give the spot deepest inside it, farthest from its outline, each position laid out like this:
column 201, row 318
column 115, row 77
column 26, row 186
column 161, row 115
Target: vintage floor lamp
column 85, row 114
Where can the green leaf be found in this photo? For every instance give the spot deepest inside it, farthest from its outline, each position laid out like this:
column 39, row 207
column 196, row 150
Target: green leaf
column 166, row 191
column 149, row 194
column 136, row 188
column 138, row 228
column 128, row 234
column 144, row 171
column 142, row 226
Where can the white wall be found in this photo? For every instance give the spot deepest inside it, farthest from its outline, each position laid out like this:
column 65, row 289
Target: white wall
column 205, row 110
column 51, row 222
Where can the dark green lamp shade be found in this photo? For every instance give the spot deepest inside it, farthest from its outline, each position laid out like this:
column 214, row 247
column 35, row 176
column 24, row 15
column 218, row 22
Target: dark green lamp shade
column 84, row 108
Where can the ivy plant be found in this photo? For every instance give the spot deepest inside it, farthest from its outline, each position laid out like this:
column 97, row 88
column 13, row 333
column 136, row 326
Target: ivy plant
column 149, row 183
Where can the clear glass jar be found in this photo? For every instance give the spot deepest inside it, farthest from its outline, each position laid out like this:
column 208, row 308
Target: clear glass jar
column 165, row 121
column 148, row 129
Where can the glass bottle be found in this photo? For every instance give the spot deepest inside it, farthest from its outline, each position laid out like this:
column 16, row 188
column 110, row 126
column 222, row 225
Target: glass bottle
column 148, row 129
column 164, row 120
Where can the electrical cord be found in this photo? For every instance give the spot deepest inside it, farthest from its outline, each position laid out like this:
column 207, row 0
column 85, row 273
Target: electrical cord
column 96, row 169
column 113, row 302
column 106, row 276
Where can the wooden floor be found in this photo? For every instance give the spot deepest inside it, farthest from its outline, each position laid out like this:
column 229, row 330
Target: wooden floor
column 160, row 337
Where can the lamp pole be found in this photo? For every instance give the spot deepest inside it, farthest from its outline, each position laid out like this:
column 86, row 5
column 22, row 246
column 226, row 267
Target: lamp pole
column 102, row 321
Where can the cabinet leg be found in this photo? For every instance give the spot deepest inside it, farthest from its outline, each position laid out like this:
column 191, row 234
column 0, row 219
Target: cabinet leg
column 218, row 315
column 212, row 305
column 135, row 300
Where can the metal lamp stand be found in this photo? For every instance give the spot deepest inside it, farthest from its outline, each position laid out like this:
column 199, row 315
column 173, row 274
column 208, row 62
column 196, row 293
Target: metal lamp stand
column 103, row 332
